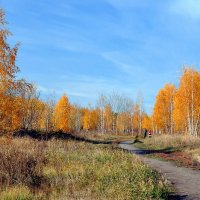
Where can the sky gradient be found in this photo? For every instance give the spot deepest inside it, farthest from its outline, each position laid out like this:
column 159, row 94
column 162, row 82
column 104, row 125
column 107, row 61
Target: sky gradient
column 84, row 48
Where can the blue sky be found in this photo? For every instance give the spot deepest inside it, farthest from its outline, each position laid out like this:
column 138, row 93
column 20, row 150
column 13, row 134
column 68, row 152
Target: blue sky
column 83, row 48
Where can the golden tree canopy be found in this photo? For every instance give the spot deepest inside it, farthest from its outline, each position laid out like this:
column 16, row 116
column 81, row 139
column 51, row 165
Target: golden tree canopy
column 62, row 114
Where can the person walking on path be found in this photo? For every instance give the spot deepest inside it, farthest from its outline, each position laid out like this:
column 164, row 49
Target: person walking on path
column 145, row 133
column 150, row 133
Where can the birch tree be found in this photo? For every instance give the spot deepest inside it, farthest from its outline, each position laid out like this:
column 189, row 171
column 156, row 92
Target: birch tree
column 138, row 114
column 101, row 104
column 62, row 114
column 163, row 109
column 8, row 70
column 187, row 102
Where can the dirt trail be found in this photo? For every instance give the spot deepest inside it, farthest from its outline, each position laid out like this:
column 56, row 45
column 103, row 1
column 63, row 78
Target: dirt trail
column 186, row 181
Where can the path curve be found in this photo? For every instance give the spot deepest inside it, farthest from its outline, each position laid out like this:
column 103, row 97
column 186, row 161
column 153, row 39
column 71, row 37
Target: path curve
column 186, row 181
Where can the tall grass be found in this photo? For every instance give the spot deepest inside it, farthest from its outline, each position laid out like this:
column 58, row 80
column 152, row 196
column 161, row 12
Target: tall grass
column 188, row 144
column 98, row 136
column 175, row 141
column 70, row 170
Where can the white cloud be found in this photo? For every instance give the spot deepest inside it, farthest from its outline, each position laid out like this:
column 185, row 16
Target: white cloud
column 187, row 8
column 125, row 63
column 45, row 90
column 78, row 94
column 82, row 88
column 126, row 4
column 112, row 58
column 42, row 89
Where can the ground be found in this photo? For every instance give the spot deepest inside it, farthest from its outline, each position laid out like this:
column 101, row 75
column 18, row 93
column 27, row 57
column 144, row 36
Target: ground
column 185, row 180
column 66, row 168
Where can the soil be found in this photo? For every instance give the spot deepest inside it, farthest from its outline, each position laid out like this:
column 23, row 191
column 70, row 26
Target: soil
column 181, row 159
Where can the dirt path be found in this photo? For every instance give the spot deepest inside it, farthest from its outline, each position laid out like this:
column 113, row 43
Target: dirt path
column 186, row 181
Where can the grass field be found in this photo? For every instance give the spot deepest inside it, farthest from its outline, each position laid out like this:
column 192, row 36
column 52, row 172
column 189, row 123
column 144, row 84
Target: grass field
column 107, row 137
column 59, row 170
column 187, row 144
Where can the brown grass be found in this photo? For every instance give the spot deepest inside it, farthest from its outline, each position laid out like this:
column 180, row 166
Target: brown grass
column 106, row 137
column 175, row 141
column 73, row 170
column 21, row 162
column 187, row 144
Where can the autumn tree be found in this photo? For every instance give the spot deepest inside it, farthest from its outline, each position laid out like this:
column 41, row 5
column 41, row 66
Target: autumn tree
column 92, row 119
column 47, row 117
column 123, row 125
column 32, row 108
column 101, row 103
column 115, row 100
column 86, row 119
column 62, row 114
column 76, row 118
column 163, row 109
column 187, row 102
column 95, row 119
column 125, row 117
column 128, row 109
column 138, row 112
column 147, row 122
column 108, row 115
column 8, row 70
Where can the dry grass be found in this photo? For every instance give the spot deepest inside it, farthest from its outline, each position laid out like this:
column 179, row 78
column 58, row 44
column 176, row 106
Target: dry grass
column 188, row 144
column 106, row 137
column 175, row 141
column 17, row 193
column 21, row 162
column 195, row 153
column 72, row 170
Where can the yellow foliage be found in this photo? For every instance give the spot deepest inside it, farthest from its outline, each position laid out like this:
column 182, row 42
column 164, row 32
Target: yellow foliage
column 108, row 117
column 62, row 114
column 91, row 119
column 187, row 102
column 147, row 122
column 163, row 108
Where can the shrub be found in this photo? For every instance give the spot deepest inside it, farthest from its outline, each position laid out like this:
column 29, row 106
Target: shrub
column 21, row 162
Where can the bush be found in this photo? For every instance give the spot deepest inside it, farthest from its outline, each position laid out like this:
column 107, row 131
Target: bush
column 21, row 162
